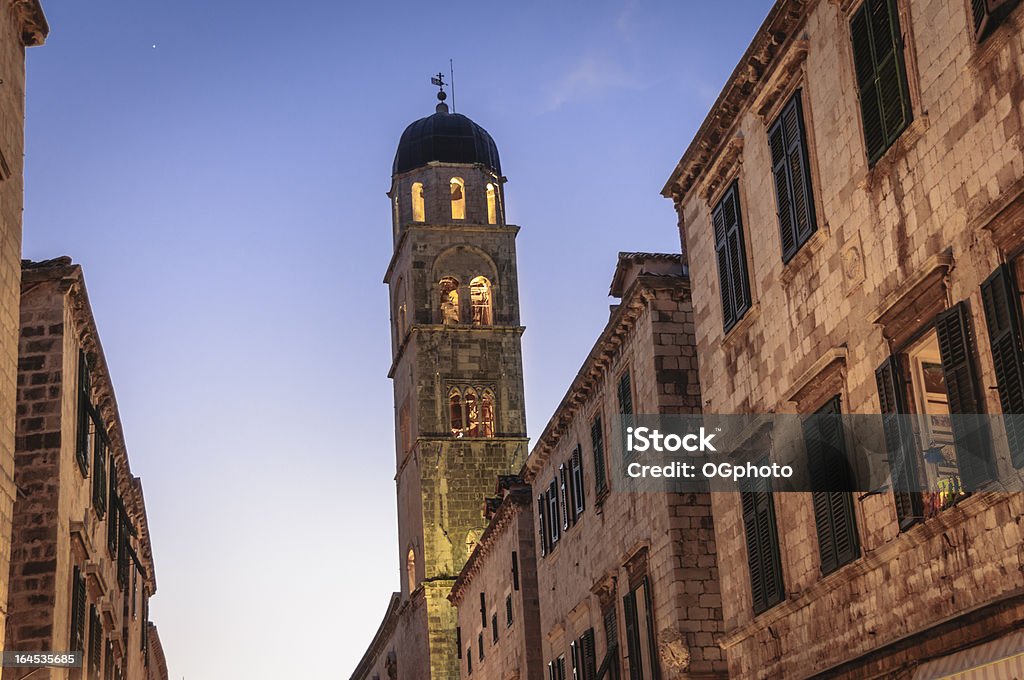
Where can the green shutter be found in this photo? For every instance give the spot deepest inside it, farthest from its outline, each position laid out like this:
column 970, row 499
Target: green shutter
column 84, row 408
column 881, row 75
column 636, row 671
column 78, row 603
column 791, row 173
column 830, row 481
column 597, row 444
column 732, row 264
column 970, row 429
column 1001, row 300
column 625, row 395
column 589, row 653
column 578, row 492
column 899, row 441
column 763, row 559
column 542, row 521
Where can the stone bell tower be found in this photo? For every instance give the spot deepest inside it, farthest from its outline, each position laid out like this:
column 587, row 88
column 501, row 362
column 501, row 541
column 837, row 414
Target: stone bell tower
column 457, row 367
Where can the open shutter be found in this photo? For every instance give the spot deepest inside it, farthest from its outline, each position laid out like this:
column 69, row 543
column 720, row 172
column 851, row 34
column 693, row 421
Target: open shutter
column 78, row 602
column 1001, row 299
column 542, row 521
column 970, row 432
column 589, row 655
column 565, row 505
column 84, row 408
column 636, row 671
column 597, row 444
column 609, row 668
column 724, row 277
column 554, row 518
column 899, row 441
column 577, row 480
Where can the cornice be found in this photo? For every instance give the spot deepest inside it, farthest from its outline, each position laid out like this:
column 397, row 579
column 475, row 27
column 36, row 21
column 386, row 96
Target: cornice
column 34, row 27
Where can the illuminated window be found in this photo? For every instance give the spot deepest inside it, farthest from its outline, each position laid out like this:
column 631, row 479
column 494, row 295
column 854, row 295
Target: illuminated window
column 449, row 292
column 480, row 296
column 410, row 569
column 458, row 189
column 417, row 202
column 492, row 204
column 471, row 541
column 472, row 411
column 455, row 409
column 400, row 310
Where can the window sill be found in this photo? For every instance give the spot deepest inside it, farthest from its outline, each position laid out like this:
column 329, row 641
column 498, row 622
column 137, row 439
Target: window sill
column 805, row 254
column 908, row 139
column 742, row 326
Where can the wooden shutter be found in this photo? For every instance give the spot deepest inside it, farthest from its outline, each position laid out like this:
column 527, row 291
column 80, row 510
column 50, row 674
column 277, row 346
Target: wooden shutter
column 508, row 610
column 732, row 261
column 791, row 172
column 575, row 658
column 554, row 518
column 899, row 441
column 515, row 570
column 99, row 464
column 881, row 75
column 1001, row 300
column 458, row 641
column 113, row 518
column 84, row 408
column 636, row 670
column 625, row 394
column 762, row 540
column 565, row 505
column 77, row 611
column 830, row 481
column 610, row 665
column 494, row 628
column 597, row 444
column 542, row 521
column 987, row 14
column 483, row 610
column 578, row 493
column 970, row 431
column 589, row 654
column 95, row 643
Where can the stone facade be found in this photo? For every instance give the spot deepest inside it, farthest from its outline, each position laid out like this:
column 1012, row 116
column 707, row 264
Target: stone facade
column 620, row 558
column 82, row 565
column 903, row 234
column 460, row 417
column 496, row 593
column 22, row 25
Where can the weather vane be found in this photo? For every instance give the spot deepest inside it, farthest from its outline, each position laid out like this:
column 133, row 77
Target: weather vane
column 438, row 80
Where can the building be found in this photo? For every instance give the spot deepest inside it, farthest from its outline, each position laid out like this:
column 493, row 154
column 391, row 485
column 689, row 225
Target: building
column 852, row 217
column 627, row 582
column 82, row 564
column 458, row 378
column 496, row 592
column 22, row 24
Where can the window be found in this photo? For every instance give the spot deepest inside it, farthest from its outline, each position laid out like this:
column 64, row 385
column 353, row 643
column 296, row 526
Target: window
column 556, row 669
column 458, row 192
column 95, row 643
column 542, row 525
column 480, row 647
column 469, row 660
column 610, row 664
column 410, row 569
column 597, row 445
column 483, row 610
column 99, row 464
column 987, row 14
column 576, row 466
column 830, row 478
column 458, row 641
column 84, row 413
column 401, row 311
column 480, row 297
column 418, row 214
column 494, row 629
column 1001, row 299
column 448, row 294
column 625, row 394
column 936, row 378
column 640, row 640
column 77, row 611
column 792, row 174
column 554, row 514
column 515, row 571
column 564, row 491
column 113, row 518
column 584, row 658
column 492, row 204
column 762, row 543
column 732, row 261
column 470, row 414
column 881, row 75
column 508, row 611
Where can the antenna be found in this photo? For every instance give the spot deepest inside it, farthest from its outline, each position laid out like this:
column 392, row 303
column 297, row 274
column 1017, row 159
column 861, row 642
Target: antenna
column 451, row 70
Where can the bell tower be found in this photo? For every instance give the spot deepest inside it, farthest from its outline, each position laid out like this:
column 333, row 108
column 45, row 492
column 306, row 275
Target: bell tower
column 457, row 367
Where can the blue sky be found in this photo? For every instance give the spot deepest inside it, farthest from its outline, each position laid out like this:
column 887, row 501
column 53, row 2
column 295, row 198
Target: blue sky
column 220, row 169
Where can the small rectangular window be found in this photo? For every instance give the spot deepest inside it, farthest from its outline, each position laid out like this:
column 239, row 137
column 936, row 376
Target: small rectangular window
column 515, row 570
column 494, row 629
column 734, row 286
column 881, row 75
column 576, row 465
column 480, row 647
column 791, row 173
column 508, row 611
column 483, row 610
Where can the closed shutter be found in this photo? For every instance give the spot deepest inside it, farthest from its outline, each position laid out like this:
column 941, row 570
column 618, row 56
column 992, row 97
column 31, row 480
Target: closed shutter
column 77, row 611
column 542, row 522
column 625, row 394
column 1001, row 299
column 515, row 570
column 609, row 668
column 84, row 408
column 95, row 643
column 970, row 431
column 578, row 493
column 483, row 610
column 589, row 654
column 830, row 480
column 791, row 172
column 597, row 444
column 881, row 75
column 99, row 464
column 762, row 540
column 732, row 262
column 636, row 670
column 113, row 521
column 899, row 441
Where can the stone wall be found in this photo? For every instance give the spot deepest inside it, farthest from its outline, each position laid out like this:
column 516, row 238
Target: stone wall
column 896, row 242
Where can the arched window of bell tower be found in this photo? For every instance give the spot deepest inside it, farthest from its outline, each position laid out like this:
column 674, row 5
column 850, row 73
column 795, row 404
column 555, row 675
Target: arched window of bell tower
column 492, row 204
column 448, row 290
column 410, row 569
column 480, row 296
column 458, row 191
column 487, row 414
column 418, row 214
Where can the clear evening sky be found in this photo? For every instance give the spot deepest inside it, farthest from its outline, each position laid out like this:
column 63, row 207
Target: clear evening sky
column 219, row 169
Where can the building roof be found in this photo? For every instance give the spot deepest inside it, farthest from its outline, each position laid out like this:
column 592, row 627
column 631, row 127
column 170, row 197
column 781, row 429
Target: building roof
column 446, row 138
